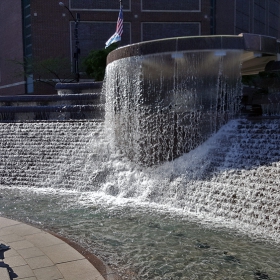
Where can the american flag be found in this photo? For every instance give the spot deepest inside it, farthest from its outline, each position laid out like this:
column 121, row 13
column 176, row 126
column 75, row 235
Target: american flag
column 119, row 30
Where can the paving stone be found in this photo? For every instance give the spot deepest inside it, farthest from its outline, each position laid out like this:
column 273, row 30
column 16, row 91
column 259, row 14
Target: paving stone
column 39, row 262
column 7, row 222
column 5, row 231
column 4, row 275
column 30, row 252
column 37, row 255
column 18, row 245
column 12, row 237
column 10, row 253
column 49, row 273
column 43, row 239
column 15, row 261
column 80, row 269
column 62, row 253
column 23, row 271
column 23, row 229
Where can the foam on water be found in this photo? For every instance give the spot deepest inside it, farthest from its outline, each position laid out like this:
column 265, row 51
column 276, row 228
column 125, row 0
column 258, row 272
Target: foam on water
column 66, row 176
column 230, row 179
column 159, row 106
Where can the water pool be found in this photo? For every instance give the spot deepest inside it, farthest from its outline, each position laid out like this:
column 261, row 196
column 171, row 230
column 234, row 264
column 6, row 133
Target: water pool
column 144, row 243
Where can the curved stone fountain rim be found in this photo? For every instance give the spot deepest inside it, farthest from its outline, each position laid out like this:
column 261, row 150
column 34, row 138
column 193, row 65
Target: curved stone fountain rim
column 244, row 41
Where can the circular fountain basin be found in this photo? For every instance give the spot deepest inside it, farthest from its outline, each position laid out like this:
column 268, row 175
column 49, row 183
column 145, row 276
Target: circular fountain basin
column 166, row 97
column 245, row 41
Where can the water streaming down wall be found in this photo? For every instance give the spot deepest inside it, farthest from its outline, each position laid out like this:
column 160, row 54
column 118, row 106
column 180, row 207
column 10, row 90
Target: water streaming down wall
column 164, row 105
column 154, row 104
column 232, row 179
column 50, row 154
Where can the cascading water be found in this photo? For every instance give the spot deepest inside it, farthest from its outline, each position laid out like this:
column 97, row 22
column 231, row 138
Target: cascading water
column 160, row 106
column 211, row 213
column 185, row 219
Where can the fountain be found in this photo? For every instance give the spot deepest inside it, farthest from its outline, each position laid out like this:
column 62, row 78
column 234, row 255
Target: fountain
column 168, row 96
column 211, row 213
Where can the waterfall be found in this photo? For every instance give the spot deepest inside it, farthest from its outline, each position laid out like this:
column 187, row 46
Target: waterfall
column 231, row 179
column 173, row 183
column 164, row 105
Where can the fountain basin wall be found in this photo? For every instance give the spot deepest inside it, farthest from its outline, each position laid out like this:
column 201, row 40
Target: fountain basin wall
column 166, row 97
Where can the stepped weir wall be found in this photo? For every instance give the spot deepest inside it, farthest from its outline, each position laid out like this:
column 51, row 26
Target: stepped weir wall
column 236, row 178
column 54, row 141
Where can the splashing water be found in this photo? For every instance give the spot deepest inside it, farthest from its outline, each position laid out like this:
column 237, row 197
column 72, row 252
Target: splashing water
column 159, row 106
column 212, row 213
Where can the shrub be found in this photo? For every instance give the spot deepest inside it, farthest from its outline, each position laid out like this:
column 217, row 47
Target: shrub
column 95, row 62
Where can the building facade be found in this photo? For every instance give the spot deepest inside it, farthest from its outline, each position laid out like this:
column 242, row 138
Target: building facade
column 43, row 30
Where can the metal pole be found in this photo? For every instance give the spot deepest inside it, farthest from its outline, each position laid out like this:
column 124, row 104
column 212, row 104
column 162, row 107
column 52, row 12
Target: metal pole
column 77, row 49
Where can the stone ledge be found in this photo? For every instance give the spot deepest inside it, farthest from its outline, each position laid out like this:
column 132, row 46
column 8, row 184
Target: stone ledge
column 244, row 41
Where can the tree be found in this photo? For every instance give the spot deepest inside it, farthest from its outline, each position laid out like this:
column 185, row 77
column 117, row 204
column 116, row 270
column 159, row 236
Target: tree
column 95, row 62
column 49, row 71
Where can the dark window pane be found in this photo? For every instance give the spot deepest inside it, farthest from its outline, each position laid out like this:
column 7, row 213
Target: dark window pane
column 152, row 31
column 274, row 7
column 93, row 35
column 243, row 6
column 259, row 27
column 174, row 5
column 259, row 13
column 99, row 5
column 242, row 22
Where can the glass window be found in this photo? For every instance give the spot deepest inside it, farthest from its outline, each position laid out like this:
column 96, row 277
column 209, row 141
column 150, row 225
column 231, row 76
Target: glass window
column 174, row 5
column 99, row 5
column 94, row 35
column 153, row 31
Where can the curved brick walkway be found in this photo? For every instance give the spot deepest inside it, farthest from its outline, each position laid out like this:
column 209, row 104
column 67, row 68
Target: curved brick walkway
column 37, row 255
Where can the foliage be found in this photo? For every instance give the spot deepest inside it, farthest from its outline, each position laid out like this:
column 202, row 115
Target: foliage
column 263, row 82
column 95, row 62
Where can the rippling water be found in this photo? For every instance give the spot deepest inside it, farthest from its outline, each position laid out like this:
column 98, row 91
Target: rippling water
column 147, row 243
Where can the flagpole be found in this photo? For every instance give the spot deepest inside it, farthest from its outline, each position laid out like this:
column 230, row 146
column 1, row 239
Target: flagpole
column 119, row 29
